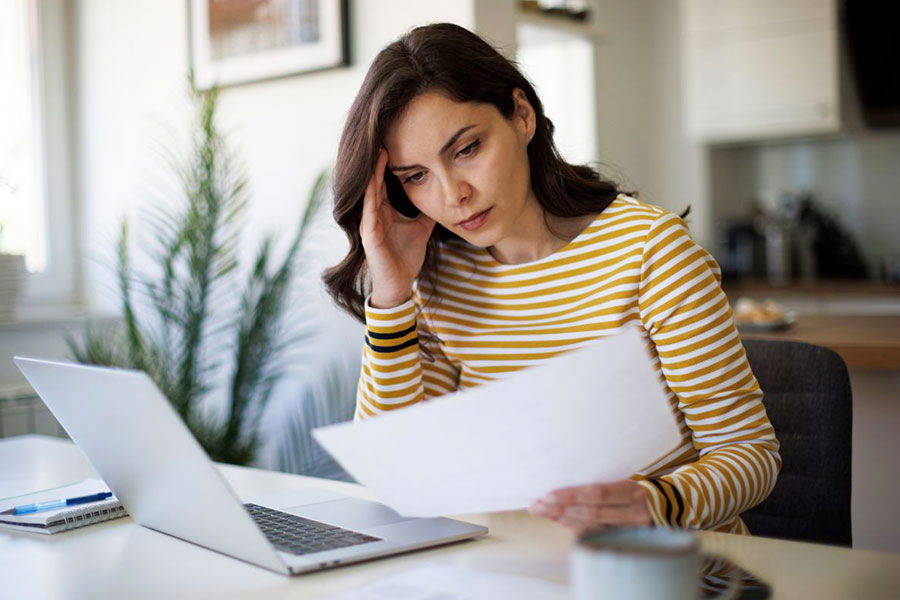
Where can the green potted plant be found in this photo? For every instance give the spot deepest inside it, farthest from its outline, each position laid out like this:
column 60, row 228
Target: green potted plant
column 197, row 318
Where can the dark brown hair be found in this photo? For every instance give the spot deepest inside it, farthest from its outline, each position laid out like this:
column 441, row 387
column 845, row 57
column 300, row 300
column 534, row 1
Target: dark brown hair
column 449, row 59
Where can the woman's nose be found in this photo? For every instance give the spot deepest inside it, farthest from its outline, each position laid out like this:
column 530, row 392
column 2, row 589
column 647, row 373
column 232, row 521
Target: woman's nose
column 457, row 191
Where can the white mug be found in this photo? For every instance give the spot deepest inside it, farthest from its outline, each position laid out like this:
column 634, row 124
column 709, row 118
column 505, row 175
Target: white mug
column 641, row 563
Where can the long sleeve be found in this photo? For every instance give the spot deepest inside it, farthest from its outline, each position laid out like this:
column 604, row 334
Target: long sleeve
column 688, row 319
column 395, row 371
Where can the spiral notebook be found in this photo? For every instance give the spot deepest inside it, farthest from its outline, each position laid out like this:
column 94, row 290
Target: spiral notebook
column 61, row 519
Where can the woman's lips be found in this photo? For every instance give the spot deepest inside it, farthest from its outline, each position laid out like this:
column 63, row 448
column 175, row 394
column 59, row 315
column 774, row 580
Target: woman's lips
column 476, row 221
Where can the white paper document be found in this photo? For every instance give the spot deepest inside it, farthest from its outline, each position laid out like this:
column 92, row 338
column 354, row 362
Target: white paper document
column 596, row 414
column 446, row 582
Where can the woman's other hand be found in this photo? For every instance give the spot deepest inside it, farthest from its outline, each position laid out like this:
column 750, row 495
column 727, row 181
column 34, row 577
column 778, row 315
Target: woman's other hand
column 394, row 245
column 595, row 506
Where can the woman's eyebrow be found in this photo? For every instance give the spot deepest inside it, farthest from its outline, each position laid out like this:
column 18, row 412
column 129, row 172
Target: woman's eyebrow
column 446, row 147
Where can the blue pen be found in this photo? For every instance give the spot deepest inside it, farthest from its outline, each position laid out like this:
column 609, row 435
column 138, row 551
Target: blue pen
column 51, row 504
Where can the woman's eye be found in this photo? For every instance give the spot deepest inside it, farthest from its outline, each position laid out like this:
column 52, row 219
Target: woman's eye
column 414, row 178
column 469, row 150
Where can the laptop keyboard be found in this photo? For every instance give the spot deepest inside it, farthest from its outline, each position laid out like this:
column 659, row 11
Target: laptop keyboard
column 296, row 535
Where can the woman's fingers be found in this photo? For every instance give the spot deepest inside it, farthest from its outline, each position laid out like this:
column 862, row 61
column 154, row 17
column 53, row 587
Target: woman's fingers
column 553, row 510
column 426, row 223
column 582, row 517
column 383, row 202
column 368, row 200
column 591, row 514
column 379, row 186
column 619, row 492
column 372, row 200
column 596, row 505
column 379, row 168
column 546, row 509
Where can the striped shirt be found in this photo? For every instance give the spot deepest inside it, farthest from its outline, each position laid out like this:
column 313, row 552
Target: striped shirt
column 635, row 263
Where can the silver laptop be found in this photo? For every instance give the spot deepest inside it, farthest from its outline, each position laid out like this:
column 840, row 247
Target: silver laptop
column 152, row 463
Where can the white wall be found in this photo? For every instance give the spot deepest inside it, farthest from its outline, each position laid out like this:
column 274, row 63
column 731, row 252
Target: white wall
column 640, row 128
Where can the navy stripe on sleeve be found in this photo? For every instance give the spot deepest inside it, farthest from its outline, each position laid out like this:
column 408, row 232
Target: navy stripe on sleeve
column 674, row 512
column 398, row 347
column 390, row 336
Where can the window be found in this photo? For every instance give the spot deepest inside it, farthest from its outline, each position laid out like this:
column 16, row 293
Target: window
column 561, row 66
column 35, row 192
column 21, row 201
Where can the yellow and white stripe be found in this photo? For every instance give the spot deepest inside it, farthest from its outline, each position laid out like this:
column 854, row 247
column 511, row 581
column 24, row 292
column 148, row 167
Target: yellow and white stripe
column 634, row 263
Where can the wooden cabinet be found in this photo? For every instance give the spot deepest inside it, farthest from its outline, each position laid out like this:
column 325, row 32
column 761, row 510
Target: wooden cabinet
column 760, row 68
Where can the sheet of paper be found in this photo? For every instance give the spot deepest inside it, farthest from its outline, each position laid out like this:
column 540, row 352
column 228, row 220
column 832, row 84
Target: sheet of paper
column 446, row 582
column 595, row 414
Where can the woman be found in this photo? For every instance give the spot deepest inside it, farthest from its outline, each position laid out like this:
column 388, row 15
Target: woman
column 518, row 256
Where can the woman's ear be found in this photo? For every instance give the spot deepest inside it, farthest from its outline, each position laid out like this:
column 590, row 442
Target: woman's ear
column 523, row 115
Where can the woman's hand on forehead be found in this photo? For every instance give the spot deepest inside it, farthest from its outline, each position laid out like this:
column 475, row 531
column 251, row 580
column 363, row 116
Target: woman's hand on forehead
column 394, row 245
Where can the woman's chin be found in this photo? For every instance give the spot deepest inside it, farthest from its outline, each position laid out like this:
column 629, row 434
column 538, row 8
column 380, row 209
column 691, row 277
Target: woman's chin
column 479, row 239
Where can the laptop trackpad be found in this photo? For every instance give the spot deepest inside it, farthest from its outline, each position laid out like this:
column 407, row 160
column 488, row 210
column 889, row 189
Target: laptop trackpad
column 350, row 513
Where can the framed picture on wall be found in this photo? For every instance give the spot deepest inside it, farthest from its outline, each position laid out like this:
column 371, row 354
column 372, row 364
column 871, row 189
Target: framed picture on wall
column 242, row 41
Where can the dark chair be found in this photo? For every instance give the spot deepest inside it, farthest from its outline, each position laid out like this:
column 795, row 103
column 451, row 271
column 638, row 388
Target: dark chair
column 807, row 397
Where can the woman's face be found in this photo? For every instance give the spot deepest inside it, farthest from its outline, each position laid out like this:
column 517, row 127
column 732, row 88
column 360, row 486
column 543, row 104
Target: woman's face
column 466, row 166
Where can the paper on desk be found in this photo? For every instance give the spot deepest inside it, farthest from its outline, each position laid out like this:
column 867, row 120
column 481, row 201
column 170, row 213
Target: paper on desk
column 446, row 582
column 592, row 415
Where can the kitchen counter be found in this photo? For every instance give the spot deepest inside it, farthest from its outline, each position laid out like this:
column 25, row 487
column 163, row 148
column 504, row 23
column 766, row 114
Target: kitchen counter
column 863, row 341
column 860, row 320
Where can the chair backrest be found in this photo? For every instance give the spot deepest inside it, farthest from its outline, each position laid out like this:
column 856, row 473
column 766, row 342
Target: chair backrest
column 807, row 397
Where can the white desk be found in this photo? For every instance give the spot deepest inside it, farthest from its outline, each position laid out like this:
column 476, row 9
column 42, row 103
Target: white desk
column 120, row 559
